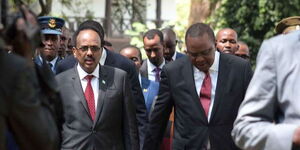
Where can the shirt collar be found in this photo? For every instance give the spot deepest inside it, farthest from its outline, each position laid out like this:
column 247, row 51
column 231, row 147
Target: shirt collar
column 103, row 56
column 174, row 56
column 83, row 74
column 53, row 61
column 214, row 67
column 151, row 67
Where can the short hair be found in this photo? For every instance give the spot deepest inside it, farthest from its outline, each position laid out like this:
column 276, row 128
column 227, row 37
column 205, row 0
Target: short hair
column 106, row 43
column 90, row 25
column 134, row 47
column 199, row 30
column 150, row 34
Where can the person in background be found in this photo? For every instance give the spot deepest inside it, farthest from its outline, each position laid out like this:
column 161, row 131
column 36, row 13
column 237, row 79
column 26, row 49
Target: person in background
column 51, row 31
column 154, row 47
column 243, row 51
column 63, row 42
column 170, row 42
column 226, row 41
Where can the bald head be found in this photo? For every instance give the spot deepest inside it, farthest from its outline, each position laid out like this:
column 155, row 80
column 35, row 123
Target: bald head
column 226, row 41
column 133, row 53
column 170, row 42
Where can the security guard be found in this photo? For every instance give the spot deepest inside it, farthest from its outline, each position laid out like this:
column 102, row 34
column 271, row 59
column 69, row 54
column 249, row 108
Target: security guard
column 288, row 25
column 51, row 31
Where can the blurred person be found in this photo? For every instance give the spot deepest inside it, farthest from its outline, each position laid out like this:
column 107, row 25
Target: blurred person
column 269, row 117
column 24, row 109
column 288, row 25
column 113, row 59
column 154, row 48
column 99, row 109
column 170, row 43
column 243, row 50
column 51, row 31
column 63, row 42
column 69, row 48
column 205, row 89
column 226, row 41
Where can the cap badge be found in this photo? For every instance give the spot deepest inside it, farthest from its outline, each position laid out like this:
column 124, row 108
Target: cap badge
column 52, row 23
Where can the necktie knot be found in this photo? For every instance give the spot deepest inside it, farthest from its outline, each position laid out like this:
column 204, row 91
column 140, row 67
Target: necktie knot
column 157, row 69
column 89, row 77
column 50, row 65
column 157, row 74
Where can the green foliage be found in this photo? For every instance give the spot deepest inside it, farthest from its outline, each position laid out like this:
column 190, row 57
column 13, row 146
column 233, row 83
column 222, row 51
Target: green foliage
column 254, row 20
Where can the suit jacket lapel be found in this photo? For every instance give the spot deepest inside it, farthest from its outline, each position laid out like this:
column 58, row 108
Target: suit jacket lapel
column 78, row 88
column 188, row 74
column 103, row 82
column 224, row 70
column 144, row 69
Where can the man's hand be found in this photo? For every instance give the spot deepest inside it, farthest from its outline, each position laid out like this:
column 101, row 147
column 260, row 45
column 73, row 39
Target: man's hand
column 296, row 137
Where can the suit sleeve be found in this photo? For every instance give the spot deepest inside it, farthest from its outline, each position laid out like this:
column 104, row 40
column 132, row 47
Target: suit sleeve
column 160, row 115
column 141, row 111
column 254, row 127
column 130, row 129
column 27, row 119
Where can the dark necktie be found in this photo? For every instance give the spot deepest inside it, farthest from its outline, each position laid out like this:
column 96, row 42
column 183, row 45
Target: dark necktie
column 89, row 96
column 50, row 65
column 157, row 74
column 205, row 93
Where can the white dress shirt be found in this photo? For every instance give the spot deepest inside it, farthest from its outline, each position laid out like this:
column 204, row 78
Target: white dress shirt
column 52, row 62
column 94, row 82
column 103, row 57
column 199, row 77
column 151, row 67
column 174, row 56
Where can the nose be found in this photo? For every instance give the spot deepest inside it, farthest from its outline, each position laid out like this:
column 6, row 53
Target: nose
column 167, row 50
column 153, row 54
column 89, row 52
column 48, row 42
column 200, row 59
column 228, row 44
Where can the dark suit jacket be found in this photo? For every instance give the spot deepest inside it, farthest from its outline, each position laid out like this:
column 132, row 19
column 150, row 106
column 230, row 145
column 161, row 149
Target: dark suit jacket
column 179, row 55
column 22, row 112
column 191, row 128
column 121, row 62
column 115, row 124
column 37, row 61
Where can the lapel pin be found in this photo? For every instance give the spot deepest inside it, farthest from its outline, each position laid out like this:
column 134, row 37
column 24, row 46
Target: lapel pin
column 103, row 81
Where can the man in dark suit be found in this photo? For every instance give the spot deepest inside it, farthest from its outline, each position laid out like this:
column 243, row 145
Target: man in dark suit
column 170, row 43
column 205, row 89
column 99, row 110
column 154, row 48
column 51, row 31
column 112, row 59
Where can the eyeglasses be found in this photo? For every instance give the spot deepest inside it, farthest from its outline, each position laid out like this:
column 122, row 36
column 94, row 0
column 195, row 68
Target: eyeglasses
column 92, row 48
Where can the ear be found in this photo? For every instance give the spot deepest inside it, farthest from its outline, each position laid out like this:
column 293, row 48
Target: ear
column 74, row 51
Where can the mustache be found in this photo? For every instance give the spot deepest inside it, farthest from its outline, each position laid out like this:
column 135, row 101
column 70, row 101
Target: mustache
column 89, row 58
